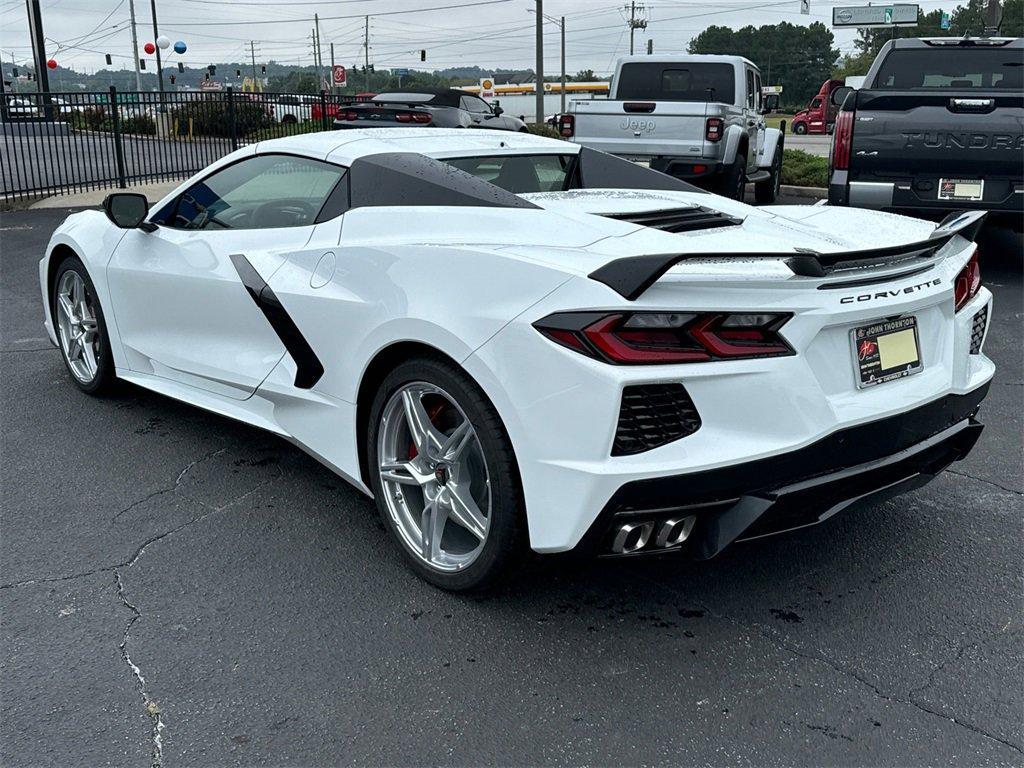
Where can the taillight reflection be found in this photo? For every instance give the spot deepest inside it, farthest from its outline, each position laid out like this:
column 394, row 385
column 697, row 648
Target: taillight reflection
column 968, row 282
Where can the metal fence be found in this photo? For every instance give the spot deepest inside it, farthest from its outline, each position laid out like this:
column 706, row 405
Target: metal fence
column 64, row 142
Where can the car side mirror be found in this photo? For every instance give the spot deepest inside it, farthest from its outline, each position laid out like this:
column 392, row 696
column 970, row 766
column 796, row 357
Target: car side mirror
column 498, row 111
column 127, row 210
column 839, row 95
column 769, row 103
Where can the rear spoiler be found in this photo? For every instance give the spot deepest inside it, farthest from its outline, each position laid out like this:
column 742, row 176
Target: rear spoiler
column 631, row 276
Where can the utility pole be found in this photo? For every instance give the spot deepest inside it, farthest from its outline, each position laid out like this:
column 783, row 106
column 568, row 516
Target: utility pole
column 35, row 23
column 135, row 47
column 539, row 67
column 156, row 34
column 319, row 51
column 252, row 53
column 334, row 88
column 634, row 22
column 562, row 24
column 366, row 53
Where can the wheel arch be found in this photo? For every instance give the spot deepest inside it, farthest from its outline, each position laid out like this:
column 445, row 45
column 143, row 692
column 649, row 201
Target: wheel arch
column 60, row 253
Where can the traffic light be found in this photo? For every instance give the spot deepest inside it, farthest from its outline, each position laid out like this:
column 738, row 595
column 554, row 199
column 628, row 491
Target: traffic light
column 371, row 68
column 14, row 71
column 142, row 63
column 238, row 73
column 181, row 67
column 423, row 55
column 263, row 69
column 109, row 60
column 206, row 76
column 173, row 78
column 212, row 69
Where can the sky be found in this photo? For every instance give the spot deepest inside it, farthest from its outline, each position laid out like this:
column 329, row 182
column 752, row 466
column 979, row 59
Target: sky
column 488, row 33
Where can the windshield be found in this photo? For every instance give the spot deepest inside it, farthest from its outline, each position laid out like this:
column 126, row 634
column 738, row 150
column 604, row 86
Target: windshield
column 519, row 174
column 949, row 67
column 677, row 82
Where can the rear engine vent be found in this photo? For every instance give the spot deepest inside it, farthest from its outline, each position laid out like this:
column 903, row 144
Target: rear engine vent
column 679, row 219
column 652, row 415
column 978, row 330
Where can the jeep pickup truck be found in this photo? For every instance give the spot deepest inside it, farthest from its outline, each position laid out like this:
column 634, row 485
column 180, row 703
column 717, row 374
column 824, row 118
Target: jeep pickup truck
column 699, row 118
column 937, row 126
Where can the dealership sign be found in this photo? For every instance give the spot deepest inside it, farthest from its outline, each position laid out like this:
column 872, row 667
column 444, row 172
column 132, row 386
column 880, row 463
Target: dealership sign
column 875, row 16
column 338, row 75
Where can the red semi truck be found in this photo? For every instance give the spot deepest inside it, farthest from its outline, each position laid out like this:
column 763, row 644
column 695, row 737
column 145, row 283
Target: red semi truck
column 820, row 115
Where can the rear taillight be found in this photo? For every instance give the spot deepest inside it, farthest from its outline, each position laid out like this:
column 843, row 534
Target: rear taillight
column 842, row 140
column 651, row 338
column 567, row 125
column 713, row 129
column 412, row 117
column 968, row 282
column 348, row 114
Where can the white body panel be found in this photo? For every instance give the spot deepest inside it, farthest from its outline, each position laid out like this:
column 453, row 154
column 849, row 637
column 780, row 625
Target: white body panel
column 469, row 282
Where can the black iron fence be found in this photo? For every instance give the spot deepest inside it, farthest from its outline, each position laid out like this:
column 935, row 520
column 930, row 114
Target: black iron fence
column 63, row 142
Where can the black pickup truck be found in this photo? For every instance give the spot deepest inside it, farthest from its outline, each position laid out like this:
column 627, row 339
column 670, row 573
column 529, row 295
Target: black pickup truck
column 937, row 126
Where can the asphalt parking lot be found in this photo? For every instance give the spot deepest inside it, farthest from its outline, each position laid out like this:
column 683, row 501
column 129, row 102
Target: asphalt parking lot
column 180, row 589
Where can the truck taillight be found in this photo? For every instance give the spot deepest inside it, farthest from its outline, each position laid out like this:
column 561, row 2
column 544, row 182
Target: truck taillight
column 567, row 125
column 968, row 282
column 713, row 129
column 842, row 140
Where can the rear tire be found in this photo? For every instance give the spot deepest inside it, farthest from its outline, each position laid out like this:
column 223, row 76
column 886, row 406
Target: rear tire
column 766, row 192
column 734, row 182
column 468, row 501
column 81, row 329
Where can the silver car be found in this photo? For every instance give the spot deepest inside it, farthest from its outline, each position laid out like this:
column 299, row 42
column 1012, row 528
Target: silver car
column 437, row 107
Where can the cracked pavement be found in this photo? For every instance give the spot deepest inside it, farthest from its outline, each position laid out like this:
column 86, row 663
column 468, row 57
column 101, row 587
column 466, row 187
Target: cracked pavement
column 181, row 590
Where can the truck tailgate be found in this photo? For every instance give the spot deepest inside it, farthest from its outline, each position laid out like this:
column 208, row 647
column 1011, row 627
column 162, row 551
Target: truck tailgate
column 641, row 128
column 916, row 136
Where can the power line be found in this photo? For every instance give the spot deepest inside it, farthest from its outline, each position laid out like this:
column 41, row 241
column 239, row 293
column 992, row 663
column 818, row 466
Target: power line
column 334, row 18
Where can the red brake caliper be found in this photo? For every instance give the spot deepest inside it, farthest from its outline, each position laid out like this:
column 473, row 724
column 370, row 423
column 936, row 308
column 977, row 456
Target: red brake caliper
column 432, row 414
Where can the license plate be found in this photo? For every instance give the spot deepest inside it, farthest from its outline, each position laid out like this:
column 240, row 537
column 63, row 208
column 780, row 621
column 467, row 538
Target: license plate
column 961, row 189
column 886, row 350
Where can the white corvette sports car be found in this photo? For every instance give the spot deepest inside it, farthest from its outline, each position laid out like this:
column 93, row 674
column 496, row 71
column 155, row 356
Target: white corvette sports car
column 511, row 342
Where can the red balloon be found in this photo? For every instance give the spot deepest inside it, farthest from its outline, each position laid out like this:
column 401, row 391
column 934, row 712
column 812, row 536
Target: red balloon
column 52, row 64
column 149, row 48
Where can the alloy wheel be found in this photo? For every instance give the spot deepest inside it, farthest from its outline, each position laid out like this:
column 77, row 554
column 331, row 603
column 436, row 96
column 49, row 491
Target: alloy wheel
column 77, row 327
column 434, row 475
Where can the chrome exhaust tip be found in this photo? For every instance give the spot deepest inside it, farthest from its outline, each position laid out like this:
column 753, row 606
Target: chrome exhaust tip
column 632, row 537
column 674, row 531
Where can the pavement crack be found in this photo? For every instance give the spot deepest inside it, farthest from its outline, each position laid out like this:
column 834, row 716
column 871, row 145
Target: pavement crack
column 152, row 708
column 821, row 658
column 986, row 482
column 172, row 488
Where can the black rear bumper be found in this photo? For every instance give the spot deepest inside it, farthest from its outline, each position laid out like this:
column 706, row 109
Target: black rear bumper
column 853, row 467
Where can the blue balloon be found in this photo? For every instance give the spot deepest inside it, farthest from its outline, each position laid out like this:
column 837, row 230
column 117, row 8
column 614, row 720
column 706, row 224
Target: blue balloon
column 180, row 47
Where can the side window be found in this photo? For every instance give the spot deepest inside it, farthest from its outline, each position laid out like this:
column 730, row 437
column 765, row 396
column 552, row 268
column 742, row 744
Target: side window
column 751, row 104
column 815, row 103
column 268, row 191
column 757, row 91
column 475, row 105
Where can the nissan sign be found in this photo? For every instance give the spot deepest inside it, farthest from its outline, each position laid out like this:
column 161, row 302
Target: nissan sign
column 875, row 15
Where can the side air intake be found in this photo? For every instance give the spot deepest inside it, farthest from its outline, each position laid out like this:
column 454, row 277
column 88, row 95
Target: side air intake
column 679, row 219
column 652, row 415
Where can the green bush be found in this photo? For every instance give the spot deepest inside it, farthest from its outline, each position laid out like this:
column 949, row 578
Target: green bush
column 139, row 125
column 91, row 119
column 543, row 129
column 800, row 169
column 213, row 118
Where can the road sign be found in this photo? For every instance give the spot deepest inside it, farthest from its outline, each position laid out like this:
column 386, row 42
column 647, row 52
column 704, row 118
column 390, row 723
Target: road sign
column 400, row 72
column 904, row 15
column 338, row 75
column 944, row 20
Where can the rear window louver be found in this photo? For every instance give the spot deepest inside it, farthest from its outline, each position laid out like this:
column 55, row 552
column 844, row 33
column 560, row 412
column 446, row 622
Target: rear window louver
column 679, row 219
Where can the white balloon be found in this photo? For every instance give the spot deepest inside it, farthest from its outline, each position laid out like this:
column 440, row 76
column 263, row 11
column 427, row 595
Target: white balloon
column 163, row 42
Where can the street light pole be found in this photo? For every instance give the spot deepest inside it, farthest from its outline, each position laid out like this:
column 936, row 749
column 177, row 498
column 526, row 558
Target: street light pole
column 35, row 22
column 539, row 68
column 562, row 24
column 135, row 46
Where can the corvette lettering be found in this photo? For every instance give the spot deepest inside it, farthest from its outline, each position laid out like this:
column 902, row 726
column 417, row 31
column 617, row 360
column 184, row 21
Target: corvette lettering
column 889, row 294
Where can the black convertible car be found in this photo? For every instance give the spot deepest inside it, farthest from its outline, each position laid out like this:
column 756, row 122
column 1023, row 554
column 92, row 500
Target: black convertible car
column 438, row 107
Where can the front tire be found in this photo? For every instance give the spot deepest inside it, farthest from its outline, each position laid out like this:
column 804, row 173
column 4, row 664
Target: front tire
column 800, row 129
column 444, row 476
column 81, row 329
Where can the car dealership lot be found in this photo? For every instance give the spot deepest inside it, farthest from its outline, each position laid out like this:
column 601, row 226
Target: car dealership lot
column 272, row 621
